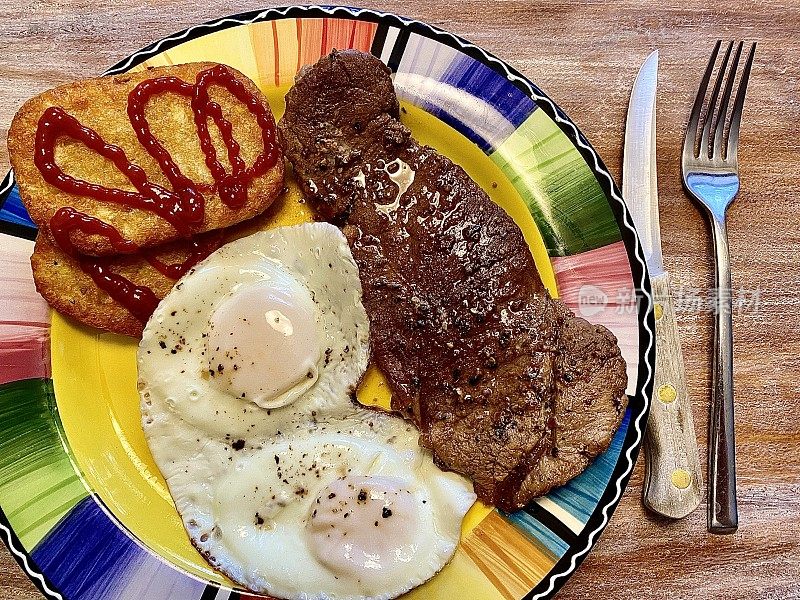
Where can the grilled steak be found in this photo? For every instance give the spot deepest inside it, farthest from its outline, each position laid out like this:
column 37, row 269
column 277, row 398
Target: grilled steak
column 506, row 385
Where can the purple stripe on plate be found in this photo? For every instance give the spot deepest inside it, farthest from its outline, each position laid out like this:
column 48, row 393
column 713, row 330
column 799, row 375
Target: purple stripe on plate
column 472, row 98
column 89, row 557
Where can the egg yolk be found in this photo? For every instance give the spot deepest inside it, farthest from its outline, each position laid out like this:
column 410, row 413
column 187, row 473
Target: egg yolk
column 358, row 525
column 262, row 343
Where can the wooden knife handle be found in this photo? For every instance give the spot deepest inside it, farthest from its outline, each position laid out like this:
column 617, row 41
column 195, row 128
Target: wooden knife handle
column 673, row 479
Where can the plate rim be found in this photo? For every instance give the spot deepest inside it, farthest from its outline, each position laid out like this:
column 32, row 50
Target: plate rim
column 633, row 440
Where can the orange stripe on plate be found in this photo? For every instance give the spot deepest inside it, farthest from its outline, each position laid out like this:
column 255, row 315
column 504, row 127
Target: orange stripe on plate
column 365, row 35
column 352, row 34
column 275, row 51
column 338, row 33
column 299, row 42
column 277, row 54
column 262, row 40
column 324, row 43
column 310, row 41
column 513, row 562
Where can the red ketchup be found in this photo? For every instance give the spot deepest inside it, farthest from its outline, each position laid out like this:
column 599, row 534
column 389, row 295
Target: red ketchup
column 138, row 299
column 67, row 219
column 183, row 206
column 198, row 250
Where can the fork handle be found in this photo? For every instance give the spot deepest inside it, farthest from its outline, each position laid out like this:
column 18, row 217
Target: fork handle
column 722, row 510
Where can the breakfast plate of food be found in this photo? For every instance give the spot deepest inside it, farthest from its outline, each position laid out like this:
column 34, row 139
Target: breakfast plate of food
column 319, row 303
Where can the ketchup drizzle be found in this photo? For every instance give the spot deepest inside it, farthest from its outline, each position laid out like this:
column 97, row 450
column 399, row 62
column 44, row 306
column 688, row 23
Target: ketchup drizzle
column 67, row 219
column 183, row 206
column 198, row 250
column 139, row 300
column 191, row 200
column 232, row 187
column 54, row 123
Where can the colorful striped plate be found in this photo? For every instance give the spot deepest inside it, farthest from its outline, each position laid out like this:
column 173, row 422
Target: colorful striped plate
column 82, row 506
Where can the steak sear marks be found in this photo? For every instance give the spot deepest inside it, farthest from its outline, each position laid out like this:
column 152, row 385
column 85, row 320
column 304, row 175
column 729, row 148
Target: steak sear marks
column 506, row 385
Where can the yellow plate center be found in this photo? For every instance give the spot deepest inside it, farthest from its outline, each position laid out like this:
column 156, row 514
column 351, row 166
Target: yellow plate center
column 94, row 375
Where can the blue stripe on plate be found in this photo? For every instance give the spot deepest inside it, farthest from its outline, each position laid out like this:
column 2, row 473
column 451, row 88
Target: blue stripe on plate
column 460, row 126
column 88, row 556
column 13, row 211
column 482, row 82
column 581, row 495
column 535, row 528
column 470, row 97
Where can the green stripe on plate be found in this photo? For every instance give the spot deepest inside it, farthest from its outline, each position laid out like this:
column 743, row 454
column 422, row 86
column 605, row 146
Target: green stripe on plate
column 38, row 484
column 562, row 193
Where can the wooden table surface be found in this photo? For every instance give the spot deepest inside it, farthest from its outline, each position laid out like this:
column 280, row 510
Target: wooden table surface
column 586, row 55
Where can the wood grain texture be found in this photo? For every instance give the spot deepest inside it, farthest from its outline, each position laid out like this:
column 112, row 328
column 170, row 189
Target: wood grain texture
column 673, row 476
column 586, row 55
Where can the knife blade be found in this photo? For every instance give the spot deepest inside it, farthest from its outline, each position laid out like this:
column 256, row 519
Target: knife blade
column 639, row 177
column 673, row 479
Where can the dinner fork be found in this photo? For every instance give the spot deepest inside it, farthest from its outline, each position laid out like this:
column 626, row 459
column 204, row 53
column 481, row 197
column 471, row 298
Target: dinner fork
column 711, row 176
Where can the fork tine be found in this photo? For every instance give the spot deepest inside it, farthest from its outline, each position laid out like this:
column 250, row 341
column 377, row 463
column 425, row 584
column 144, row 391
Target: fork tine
column 705, row 149
column 690, row 141
column 738, row 105
column 722, row 113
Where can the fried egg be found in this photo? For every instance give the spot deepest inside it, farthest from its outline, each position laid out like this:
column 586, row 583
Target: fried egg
column 283, row 482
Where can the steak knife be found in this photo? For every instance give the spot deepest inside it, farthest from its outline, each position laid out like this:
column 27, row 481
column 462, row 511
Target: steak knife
column 673, row 479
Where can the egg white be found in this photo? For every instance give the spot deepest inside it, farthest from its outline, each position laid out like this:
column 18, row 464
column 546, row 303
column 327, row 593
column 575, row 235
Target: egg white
column 172, row 363
column 246, row 479
column 253, row 521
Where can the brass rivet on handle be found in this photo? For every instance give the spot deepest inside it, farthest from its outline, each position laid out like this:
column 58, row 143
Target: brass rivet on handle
column 667, row 393
column 681, row 478
column 659, row 310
